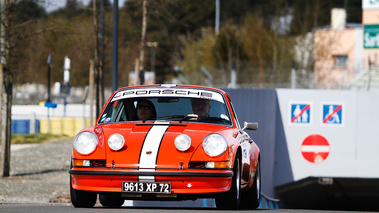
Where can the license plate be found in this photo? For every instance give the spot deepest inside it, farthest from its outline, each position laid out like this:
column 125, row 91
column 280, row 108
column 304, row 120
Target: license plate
column 146, row 187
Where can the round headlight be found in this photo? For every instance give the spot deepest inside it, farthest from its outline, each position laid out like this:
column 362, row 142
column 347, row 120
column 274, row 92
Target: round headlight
column 85, row 143
column 116, row 142
column 182, row 142
column 214, row 144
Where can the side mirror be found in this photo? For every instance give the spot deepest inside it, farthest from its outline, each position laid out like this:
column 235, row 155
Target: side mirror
column 250, row 126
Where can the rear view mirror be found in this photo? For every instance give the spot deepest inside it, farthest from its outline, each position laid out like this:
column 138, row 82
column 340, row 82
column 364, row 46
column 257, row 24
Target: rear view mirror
column 250, row 126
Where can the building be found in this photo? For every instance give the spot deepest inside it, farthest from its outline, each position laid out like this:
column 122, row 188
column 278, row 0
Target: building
column 346, row 55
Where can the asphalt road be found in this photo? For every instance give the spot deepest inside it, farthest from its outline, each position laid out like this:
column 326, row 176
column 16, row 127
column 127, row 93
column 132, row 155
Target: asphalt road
column 64, row 208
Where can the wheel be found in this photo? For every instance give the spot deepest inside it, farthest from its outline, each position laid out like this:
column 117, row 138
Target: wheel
column 231, row 198
column 109, row 200
column 250, row 198
column 84, row 199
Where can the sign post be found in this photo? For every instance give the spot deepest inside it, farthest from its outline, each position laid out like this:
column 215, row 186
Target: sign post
column 66, row 85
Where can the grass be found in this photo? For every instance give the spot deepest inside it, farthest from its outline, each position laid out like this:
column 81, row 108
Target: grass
column 35, row 138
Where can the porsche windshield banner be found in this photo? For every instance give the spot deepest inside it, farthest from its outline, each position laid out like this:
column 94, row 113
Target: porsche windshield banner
column 164, row 92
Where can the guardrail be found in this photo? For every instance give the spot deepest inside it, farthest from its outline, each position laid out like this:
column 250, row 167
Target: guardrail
column 268, row 202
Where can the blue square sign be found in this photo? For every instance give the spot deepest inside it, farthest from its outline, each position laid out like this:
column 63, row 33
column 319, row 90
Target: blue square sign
column 332, row 113
column 300, row 113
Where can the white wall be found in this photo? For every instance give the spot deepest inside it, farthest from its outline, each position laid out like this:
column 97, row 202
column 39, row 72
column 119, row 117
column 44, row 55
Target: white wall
column 354, row 141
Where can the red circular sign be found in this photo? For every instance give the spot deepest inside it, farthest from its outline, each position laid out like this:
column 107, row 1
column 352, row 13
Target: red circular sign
column 315, row 148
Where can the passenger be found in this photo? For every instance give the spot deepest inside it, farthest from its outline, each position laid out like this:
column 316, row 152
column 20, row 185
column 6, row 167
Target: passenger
column 146, row 110
column 201, row 107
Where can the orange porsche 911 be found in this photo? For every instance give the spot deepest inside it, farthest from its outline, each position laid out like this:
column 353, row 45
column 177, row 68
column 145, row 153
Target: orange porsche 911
column 166, row 142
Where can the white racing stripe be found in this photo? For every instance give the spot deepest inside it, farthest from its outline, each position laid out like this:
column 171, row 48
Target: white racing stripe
column 149, row 151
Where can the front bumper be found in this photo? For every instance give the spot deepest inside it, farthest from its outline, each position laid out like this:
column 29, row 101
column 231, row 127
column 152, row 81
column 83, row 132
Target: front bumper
column 182, row 181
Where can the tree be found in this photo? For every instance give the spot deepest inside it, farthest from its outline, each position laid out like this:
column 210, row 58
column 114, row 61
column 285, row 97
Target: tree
column 6, row 90
column 15, row 25
column 70, row 32
column 228, row 50
column 168, row 21
column 199, row 53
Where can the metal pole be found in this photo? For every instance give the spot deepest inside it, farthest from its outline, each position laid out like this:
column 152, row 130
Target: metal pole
column 217, row 21
column 141, row 69
column 86, row 91
column 96, row 58
column 233, row 76
column 152, row 45
column 48, row 90
column 153, row 60
column 102, row 59
column 66, row 80
column 48, row 77
column 293, row 76
column 115, row 46
column 91, row 88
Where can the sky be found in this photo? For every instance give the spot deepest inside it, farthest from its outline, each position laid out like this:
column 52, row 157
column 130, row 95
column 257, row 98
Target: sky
column 52, row 5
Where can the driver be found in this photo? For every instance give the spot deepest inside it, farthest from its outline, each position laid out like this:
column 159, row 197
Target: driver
column 201, row 107
column 146, row 110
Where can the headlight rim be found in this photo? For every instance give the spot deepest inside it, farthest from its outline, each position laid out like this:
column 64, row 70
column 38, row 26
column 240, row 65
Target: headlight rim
column 205, row 141
column 75, row 143
column 123, row 141
column 187, row 147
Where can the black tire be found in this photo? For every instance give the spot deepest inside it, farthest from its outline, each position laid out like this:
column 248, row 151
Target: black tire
column 110, row 200
column 232, row 198
column 251, row 198
column 84, row 199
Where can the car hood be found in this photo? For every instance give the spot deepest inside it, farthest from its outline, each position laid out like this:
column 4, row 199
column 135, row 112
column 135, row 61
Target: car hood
column 150, row 145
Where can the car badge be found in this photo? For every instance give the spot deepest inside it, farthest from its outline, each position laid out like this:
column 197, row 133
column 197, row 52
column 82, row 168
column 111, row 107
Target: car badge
column 149, row 152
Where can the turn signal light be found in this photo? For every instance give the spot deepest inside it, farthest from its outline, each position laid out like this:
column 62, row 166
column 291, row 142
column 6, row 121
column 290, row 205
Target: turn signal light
column 93, row 163
column 210, row 165
column 217, row 165
column 81, row 163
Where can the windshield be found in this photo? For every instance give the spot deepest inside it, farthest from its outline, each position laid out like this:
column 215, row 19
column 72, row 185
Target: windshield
column 182, row 109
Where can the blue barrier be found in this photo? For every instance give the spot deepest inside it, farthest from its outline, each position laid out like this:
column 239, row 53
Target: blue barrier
column 265, row 203
column 22, row 126
column 268, row 203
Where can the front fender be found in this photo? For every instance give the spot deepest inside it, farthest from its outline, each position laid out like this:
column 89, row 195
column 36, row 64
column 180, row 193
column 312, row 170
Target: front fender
column 99, row 152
